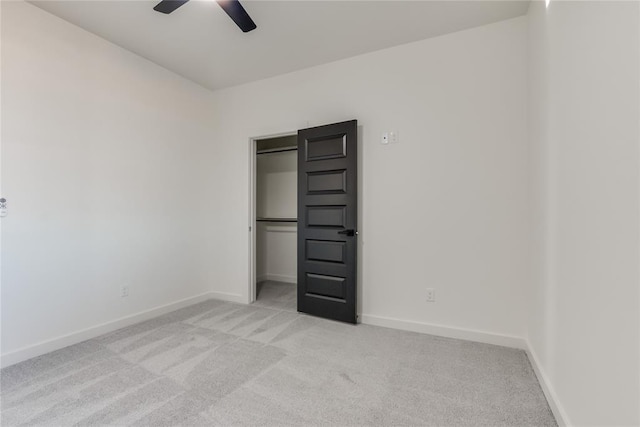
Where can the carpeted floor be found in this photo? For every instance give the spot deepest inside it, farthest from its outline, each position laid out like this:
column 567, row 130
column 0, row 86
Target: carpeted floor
column 278, row 295
column 219, row 363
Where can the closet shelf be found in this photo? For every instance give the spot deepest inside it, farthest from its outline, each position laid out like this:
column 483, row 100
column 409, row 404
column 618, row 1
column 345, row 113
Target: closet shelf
column 277, row 150
column 277, row 219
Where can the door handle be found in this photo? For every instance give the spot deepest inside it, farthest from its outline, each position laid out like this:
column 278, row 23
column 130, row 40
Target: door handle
column 349, row 232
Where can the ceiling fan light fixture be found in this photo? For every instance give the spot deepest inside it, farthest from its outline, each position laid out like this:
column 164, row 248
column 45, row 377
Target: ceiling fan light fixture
column 168, row 6
column 233, row 8
column 238, row 14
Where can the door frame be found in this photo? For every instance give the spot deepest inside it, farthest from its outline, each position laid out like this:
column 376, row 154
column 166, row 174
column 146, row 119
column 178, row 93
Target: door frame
column 253, row 149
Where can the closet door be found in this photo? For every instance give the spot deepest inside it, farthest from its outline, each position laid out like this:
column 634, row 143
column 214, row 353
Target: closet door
column 327, row 221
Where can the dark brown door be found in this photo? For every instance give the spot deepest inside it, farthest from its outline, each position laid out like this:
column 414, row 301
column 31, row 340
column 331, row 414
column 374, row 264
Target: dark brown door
column 327, row 220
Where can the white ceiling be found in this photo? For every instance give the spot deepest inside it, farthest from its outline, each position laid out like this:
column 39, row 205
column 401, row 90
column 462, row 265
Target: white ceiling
column 201, row 43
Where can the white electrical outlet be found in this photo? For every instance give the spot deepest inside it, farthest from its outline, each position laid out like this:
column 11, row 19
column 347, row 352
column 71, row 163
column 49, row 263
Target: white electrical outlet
column 431, row 295
column 124, row 291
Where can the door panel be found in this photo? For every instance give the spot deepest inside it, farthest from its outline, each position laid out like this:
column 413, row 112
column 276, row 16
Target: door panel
column 327, row 216
column 327, row 182
column 327, row 220
column 326, row 251
column 325, row 286
column 326, row 147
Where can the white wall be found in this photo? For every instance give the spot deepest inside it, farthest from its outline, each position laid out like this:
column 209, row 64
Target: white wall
column 102, row 169
column 277, row 252
column 276, row 197
column 446, row 208
column 277, row 185
column 584, row 326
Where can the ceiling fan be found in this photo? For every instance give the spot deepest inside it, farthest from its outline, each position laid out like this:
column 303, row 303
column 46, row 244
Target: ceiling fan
column 233, row 8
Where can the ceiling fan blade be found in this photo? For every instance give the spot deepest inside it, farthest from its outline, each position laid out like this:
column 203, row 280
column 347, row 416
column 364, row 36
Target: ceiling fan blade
column 237, row 13
column 168, row 6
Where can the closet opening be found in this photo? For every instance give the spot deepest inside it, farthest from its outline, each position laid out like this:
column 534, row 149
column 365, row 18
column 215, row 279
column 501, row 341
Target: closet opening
column 274, row 207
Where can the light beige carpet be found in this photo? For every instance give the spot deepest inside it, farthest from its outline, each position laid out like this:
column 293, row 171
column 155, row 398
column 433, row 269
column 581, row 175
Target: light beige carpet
column 219, row 363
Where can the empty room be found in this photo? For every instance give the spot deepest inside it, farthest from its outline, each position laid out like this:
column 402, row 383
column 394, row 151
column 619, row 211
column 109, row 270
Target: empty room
column 320, row 213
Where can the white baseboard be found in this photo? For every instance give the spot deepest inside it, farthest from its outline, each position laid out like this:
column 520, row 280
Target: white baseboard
column 445, row 331
column 226, row 296
column 549, row 392
column 278, row 278
column 57, row 343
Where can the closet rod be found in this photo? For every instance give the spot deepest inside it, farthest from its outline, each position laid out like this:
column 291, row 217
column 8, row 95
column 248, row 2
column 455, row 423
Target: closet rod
column 277, row 219
column 277, row 150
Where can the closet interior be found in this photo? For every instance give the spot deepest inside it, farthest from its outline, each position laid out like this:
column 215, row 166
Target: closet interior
column 276, row 222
